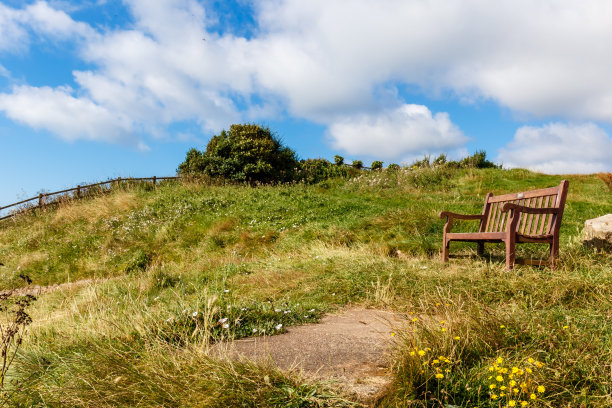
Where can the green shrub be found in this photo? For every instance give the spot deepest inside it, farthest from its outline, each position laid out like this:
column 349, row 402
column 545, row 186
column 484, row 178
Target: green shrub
column 316, row 170
column 478, row 160
column 245, row 153
column 376, row 165
column 338, row 160
column 393, row 167
column 357, row 164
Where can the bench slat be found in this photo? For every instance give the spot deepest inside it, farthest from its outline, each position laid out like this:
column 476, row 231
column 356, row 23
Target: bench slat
column 526, row 194
column 525, row 217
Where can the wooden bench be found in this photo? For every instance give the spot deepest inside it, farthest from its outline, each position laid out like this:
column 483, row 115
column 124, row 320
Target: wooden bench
column 531, row 216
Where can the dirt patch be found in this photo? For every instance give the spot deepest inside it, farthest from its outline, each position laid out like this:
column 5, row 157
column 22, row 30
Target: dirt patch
column 351, row 347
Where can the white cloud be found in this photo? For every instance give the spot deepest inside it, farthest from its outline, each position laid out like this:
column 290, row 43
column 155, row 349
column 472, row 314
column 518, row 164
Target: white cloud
column 57, row 111
column 559, row 148
column 323, row 60
column 13, row 36
column 405, row 131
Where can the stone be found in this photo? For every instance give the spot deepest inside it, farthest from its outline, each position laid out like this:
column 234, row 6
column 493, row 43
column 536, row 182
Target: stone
column 598, row 233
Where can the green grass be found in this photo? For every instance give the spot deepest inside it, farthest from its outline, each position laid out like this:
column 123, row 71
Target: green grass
column 248, row 255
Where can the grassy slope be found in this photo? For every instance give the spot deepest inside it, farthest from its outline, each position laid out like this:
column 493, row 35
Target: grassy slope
column 243, row 253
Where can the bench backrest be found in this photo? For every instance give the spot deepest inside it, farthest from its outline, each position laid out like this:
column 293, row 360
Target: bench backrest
column 529, row 224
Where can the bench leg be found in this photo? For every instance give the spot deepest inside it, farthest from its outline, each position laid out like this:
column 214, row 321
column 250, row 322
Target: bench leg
column 480, row 249
column 510, row 253
column 445, row 248
column 554, row 253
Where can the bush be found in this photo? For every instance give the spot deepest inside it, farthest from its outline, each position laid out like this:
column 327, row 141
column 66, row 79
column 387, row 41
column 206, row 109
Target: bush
column 393, row 167
column 478, row 160
column 376, row 165
column 317, row 170
column 357, row 164
column 338, row 160
column 245, row 153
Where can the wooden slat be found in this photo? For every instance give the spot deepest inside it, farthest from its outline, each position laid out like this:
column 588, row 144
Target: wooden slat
column 525, row 217
column 534, row 203
column 491, row 219
column 499, row 217
column 536, row 217
column 544, row 204
column 555, row 200
column 526, row 194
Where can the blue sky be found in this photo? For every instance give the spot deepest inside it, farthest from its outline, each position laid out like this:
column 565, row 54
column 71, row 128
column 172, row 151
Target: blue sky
column 95, row 89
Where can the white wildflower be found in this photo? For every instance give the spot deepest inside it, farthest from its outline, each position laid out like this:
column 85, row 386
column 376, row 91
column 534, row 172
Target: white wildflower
column 278, row 326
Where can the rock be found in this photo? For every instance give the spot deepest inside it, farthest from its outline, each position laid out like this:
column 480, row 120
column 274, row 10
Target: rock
column 598, row 232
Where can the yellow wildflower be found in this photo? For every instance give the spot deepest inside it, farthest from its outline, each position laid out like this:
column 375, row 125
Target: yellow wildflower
column 492, row 386
column 529, row 370
column 503, row 387
column 512, row 403
column 436, row 362
column 515, row 370
column 500, row 360
column 515, row 390
column 421, row 353
column 531, row 360
column 457, row 338
column 499, row 378
column 512, row 383
column 493, row 396
column 524, row 403
column 412, row 353
column 533, row 396
column 443, row 329
column 502, row 326
column 541, row 389
column 439, row 376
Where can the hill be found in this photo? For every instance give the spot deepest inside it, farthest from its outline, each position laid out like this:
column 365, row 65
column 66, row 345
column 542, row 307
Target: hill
column 168, row 264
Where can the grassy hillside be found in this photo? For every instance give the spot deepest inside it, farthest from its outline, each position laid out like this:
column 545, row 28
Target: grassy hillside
column 168, row 263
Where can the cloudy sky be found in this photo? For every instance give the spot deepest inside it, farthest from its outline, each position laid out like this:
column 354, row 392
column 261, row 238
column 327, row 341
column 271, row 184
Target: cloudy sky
column 93, row 89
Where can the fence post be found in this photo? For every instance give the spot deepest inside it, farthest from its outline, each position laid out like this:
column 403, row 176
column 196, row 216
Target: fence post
column 118, row 182
column 40, row 200
column 78, row 191
column 154, row 180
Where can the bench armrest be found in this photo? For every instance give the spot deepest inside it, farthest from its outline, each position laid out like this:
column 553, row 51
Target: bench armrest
column 451, row 215
column 529, row 210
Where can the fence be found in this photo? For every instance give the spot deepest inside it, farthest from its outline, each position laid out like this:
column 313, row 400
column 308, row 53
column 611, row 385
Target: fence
column 79, row 192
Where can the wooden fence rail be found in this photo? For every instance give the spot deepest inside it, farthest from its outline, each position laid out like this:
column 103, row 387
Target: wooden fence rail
column 79, row 190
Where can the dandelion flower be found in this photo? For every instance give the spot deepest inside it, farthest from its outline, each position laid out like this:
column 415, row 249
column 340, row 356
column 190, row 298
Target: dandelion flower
column 421, row 353
column 515, row 390
column 415, row 319
column 512, row 383
column 541, row 389
column 512, row 403
column 500, row 360
column 436, row 362
column 531, row 360
column 502, row 326
column 457, row 338
column 503, row 387
column 443, row 321
column 494, row 396
column 533, row 396
column 565, row 327
column 412, row 353
column 492, row 386
column 443, row 329
column 515, row 370
column 499, row 378
column 439, row 376
column 491, row 368
column 529, row 370
column 524, row 403
column 392, row 334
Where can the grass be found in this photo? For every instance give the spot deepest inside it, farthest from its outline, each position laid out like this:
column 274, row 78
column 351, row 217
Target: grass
column 183, row 266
